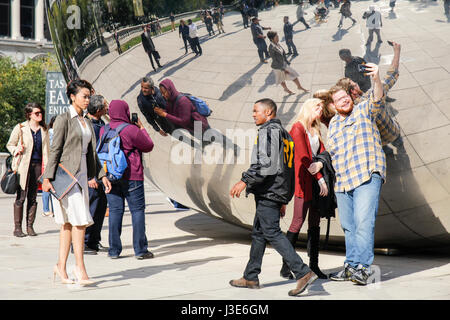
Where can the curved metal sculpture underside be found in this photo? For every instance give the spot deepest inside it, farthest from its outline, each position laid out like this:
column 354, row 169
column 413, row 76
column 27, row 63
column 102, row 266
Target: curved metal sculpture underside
column 415, row 201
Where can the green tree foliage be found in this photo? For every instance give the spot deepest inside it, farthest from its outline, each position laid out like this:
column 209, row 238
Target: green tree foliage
column 19, row 85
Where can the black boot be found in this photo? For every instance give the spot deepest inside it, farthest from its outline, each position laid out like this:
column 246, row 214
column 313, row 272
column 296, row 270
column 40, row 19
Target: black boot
column 313, row 251
column 285, row 272
column 31, row 216
column 18, row 217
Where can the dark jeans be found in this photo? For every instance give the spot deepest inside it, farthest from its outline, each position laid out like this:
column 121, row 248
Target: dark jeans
column 185, row 40
column 266, row 228
column 245, row 21
column 133, row 192
column 262, row 48
column 195, row 45
column 30, row 192
column 291, row 46
column 97, row 207
column 302, row 20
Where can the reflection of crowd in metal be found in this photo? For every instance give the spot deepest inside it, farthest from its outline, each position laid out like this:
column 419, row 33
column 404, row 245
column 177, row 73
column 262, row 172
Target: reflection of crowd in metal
column 347, row 171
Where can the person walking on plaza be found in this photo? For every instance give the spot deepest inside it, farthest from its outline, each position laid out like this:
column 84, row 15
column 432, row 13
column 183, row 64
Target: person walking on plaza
column 183, row 32
column 209, row 24
column 352, row 70
column 97, row 108
column 74, row 148
column 300, row 16
column 47, row 201
column 308, row 180
column 373, row 23
column 259, row 39
column 218, row 21
column 193, row 35
column 29, row 146
column 244, row 12
column 172, row 21
column 280, row 65
column 392, row 4
column 150, row 48
column 116, row 37
column 134, row 141
column 289, row 36
column 345, row 12
column 354, row 144
column 271, row 178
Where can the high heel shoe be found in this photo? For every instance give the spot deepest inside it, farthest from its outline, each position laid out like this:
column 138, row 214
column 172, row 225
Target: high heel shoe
column 81, row 282
column 63, row 280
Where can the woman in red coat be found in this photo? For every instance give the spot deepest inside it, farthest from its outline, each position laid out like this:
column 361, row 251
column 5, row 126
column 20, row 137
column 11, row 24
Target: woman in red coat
column 307, row 141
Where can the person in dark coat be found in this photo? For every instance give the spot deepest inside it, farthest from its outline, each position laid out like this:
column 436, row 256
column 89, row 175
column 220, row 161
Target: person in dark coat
column 149, row 47
column 345, row 12
column 183, row 31
column 289, row 37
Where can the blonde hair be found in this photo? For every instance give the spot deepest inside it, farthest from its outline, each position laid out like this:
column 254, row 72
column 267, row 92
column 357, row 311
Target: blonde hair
column 304, row 115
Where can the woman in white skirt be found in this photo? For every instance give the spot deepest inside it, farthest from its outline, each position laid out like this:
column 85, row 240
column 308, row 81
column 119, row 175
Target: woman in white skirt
column 280, row 64
column 73, row 147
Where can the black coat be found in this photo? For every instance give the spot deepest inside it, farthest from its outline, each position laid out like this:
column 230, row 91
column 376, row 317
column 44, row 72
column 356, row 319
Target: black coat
column 147, row 104
column 328, row 204
column 148, row 44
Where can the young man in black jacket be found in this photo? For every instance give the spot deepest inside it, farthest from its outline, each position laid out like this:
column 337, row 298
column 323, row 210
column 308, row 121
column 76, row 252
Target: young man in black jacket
column 149, row 47
column 271, row 179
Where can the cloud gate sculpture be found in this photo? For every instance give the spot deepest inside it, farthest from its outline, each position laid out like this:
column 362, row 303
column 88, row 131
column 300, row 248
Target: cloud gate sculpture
column 414, row 209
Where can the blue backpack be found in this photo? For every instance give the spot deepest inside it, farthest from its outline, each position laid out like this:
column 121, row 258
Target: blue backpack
column 110, row 154
column 200, row 105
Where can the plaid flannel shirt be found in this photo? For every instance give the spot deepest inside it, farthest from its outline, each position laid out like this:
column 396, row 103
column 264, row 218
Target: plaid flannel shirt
column 387, row 125
column 354, row 144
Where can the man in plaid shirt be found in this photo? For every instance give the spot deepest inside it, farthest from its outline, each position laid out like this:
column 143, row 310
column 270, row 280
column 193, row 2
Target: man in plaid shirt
column 354, row 144
column 387, row 125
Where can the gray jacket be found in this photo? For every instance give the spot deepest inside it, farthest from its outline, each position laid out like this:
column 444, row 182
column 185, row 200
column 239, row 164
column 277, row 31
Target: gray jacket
column 66, row 148
column 279, row 60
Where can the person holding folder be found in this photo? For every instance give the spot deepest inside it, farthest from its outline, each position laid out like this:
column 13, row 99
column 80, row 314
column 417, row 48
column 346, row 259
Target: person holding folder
column 73, row 154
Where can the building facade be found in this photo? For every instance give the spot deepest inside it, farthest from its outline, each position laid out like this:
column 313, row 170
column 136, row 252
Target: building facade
column 24, row 30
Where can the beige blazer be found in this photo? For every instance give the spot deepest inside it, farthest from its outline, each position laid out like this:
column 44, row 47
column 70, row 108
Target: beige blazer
column 12, row 146
column 67, row 147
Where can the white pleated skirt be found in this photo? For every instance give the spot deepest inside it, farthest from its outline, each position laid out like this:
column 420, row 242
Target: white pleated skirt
column 281, row 76
column 74, row 207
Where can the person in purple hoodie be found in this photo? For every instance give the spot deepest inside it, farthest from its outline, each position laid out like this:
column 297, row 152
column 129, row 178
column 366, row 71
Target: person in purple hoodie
column 135, row 140
column 181, row 112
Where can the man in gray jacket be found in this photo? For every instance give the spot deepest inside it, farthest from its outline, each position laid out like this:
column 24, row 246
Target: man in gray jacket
column 259, row 39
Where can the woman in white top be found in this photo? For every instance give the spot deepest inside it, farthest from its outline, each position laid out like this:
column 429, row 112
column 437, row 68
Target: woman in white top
column 280, row 65
column 73, row 146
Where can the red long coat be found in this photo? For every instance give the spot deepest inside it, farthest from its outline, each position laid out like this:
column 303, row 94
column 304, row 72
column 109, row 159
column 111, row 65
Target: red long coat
column 303, row 159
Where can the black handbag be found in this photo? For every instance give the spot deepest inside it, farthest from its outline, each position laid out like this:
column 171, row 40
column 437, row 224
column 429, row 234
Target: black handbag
column 156, row 54
column 10, row 180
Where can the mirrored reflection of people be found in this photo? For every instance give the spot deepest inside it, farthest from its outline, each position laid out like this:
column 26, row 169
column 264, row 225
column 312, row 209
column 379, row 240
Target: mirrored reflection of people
column 172, row 21
column 352, row 71
column 116, row 37
column 193, row 36
column 447, row 9
column 354, row 144
column 259, row 39
column 289, row 36
column 180, row 110
column 308, row 144
column 74, row 147
column 244, row 12
column 149, row 47
column 392, row 4
column 373, row 23
column 345, row 12
column 280, row 64
column 271, row 178
column 209, row 24
column 134, row 141
column 388, row 127
column 217, row 19
column 300, row 15
column 149, row 98
column 29, row 146
column 97, row 108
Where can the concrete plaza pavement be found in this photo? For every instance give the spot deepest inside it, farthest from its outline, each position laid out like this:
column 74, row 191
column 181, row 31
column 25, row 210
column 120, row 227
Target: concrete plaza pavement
column 195, row 257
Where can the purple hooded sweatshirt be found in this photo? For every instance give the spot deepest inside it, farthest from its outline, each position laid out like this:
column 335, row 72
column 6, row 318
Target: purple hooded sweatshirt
column 132, row 138
column 183, row 114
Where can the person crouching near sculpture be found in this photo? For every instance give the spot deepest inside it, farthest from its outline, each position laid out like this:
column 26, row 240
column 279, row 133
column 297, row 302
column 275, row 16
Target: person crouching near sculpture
column 73, row 146
column 308, row 143
column 28, row 144
column 271, row 180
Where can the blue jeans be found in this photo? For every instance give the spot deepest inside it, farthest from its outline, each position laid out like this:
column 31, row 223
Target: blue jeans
column 47, row 201
column 357, row 212
column 262, row 49
column 266, row 228
column 133, row 192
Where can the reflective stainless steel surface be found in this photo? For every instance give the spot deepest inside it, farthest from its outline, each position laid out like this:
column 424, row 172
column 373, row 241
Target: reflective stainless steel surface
column 414, row 207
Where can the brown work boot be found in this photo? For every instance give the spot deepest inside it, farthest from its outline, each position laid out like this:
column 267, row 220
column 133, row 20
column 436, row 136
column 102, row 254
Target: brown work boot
column 31, row 216
column 18, row 217
column 303, row 283
column 243, row 283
